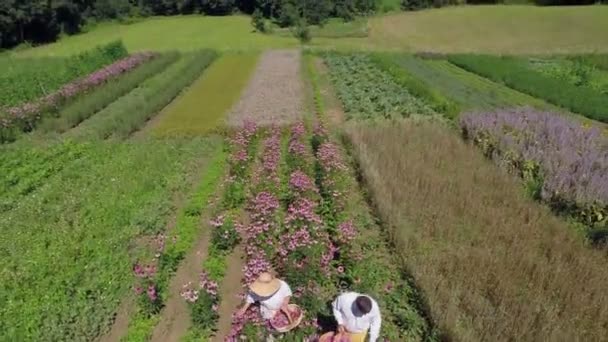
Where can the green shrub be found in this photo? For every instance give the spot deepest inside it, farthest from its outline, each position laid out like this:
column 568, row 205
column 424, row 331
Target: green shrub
column 258, row 21
column 516, row 73
column 302, row 32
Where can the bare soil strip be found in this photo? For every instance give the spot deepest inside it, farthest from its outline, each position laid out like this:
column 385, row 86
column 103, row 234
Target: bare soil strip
column 121, row 321
column 228, row 291
column 333, row 107
column 175, row 317
column 275, row 93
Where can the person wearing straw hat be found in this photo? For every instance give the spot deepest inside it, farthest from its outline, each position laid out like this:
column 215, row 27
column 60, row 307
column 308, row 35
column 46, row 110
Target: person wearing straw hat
column 273, row 295
column 356, row 314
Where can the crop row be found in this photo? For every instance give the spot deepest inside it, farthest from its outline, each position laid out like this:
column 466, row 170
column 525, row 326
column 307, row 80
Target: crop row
column 25, row 170
column 154, row 269
column 68, row 247
column 27, row 79
column 576, row 71
column 25, row 117
column 368, row 92
column 86, row 105
column 303, row 224
column 562, row 163
column 493, row 264
column 130, row 112
column 467, row 89
column 517, row 74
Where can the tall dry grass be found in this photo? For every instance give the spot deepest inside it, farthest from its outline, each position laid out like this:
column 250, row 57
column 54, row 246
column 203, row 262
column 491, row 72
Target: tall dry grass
column 493, row 264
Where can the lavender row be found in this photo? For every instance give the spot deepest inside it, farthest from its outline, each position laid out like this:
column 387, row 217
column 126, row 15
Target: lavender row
column 25, row 116
column 562, row 161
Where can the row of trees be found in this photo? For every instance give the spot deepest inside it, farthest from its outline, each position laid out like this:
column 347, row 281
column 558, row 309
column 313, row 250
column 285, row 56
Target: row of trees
column 40, row 21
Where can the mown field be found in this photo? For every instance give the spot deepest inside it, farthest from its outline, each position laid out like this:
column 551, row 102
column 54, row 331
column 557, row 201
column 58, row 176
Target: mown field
column 148, row 177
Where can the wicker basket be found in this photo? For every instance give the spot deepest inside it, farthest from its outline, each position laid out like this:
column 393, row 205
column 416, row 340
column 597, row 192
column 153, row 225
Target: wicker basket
column 296, row 321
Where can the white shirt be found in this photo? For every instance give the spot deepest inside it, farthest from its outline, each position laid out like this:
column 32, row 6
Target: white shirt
column 270, row 305
column 343, row 308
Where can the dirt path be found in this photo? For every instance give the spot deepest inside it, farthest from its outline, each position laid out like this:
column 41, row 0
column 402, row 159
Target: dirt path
column 229, row 290
column 333, row 107
column 175, row 317
column 275, row 93
column 121, row 321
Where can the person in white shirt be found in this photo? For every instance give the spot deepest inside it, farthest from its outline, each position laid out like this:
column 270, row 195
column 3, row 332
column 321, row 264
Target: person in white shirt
column 273, row 295
column 356, row 314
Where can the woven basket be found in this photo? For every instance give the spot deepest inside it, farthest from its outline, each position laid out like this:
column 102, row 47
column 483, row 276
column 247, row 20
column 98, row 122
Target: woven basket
column 295, row 322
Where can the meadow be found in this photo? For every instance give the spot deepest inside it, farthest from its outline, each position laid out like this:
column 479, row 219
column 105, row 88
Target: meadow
column 451, row 163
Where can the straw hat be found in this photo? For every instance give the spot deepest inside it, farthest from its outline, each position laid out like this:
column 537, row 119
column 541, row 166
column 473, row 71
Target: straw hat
column 266, row 285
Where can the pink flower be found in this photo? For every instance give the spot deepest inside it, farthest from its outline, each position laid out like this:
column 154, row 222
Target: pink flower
column 152, row 293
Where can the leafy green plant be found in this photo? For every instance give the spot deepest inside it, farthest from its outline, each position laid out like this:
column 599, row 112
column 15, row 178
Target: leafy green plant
column 516, row 73
column 417, row 87
column 368, row 92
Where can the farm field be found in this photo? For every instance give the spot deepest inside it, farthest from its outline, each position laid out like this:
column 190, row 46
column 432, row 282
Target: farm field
column 151, row 172
column 507, row 29
column 489, row 29
column 467, row 89
column 202, row 108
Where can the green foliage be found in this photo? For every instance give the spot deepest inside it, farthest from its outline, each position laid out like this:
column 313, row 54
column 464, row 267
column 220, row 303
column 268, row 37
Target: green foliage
column 65, row 277
column 302, row 32
column 469, row 90
column 258, row 22
column 88, row 104
column 225, row 237
column 129, row 112
column 203, row 107
column 202, row 314
column 416, row 86
column 26, row 79
column 215, row 266
column 515, row 73
column 27, row 170
column 576, row 70
column 368, row 92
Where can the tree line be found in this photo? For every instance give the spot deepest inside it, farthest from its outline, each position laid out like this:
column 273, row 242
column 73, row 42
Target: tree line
column 42, row 21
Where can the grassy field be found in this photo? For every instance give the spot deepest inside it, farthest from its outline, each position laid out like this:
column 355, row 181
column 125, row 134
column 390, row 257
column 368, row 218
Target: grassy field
column 182, row 33
column 204, row 105
column 494, row 29
column 63, row 279
column 493, row 264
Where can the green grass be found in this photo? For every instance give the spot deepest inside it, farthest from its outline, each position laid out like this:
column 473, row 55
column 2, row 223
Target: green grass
column 203, row 106
column 131, row 111
column 517, row 74
column 468, row 89
column 88, row 104
column 494, row 29
column 67, row 249
column 334, row 28
column 182, row 33
column 23, row 80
